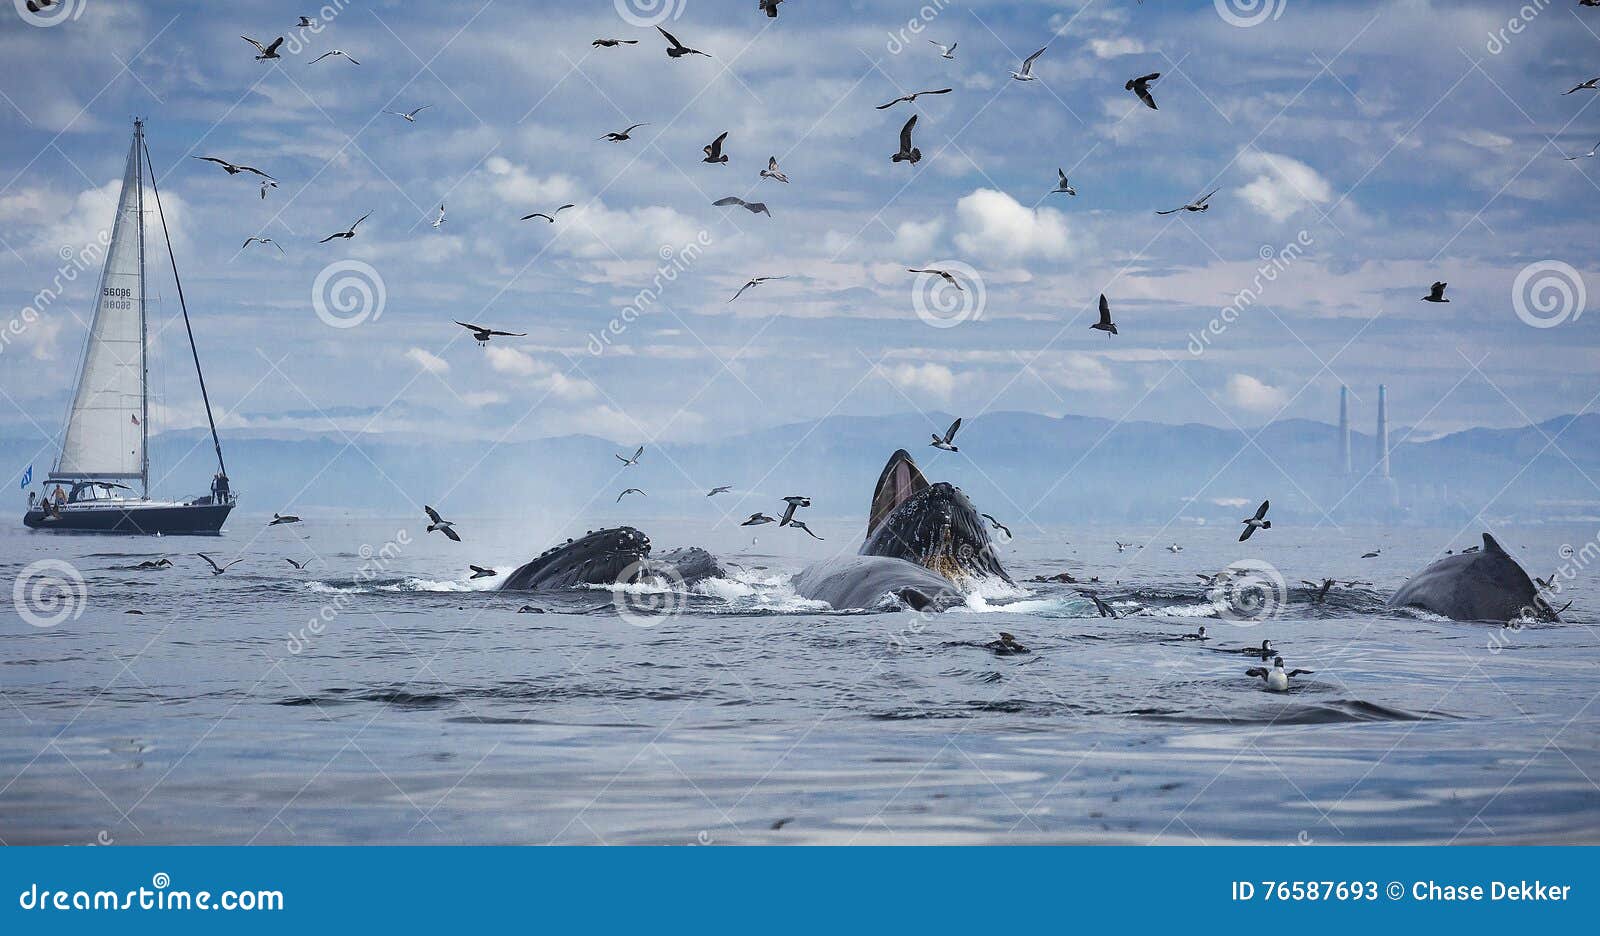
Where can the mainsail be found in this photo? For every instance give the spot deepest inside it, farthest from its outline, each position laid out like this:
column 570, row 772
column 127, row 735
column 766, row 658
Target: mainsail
column 106, row 428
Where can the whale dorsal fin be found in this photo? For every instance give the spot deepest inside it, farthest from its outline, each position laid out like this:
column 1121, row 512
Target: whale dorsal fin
column 901, row 479
column 1490, row 546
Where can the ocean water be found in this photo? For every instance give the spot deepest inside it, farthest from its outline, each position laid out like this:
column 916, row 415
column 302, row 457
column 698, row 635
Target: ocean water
column 378, row 696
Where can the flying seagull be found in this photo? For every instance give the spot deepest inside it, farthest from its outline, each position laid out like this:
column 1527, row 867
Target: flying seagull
column 219, row 569
column 339, row 52
column 1593, row 84
column 1196, row 205
column 1436, row 293
column 754, row 207
column 1588, row 155
column 908, row 153
column 1371, row 555
column 306, row 22
column 946, row 51
column 613, row 43
column 1276, row 679
column 794, row 503
column 771, row 172
column 1321, row 590
column 1105, row 324
column 551, row 217
column 266, row 184
column 1026, row 74
column 409, row 116
column 619, row 136
column 346, row 234
column 440, row 524
column 801, row 525
column 676, row 49
column 267, row 51
column 1258, row 522
column 1141, row 87
column 630, row 462
column 912, row 97
column 482, row 334
column 279, row 519
column 713, row 150
column 297, row 565
column 439, row 220
column 945, row 275
column 947, row 441
column 720, row 489
column 630, row 491
column 770, row 7
column 1062, row 188
column 756, row 282
column 756, row 519
column 479, row 572
column 997, row 525
column 232, row 168
column 260, row 240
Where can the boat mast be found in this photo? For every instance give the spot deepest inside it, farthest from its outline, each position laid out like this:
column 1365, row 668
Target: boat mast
column 144, row 342
column 216, row 443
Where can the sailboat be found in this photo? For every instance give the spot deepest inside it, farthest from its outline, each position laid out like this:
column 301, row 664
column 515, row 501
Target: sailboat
column 101, row 480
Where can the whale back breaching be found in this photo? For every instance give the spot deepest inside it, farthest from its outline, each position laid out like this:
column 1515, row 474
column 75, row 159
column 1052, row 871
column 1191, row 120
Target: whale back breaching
column 932, row 525
column 1487, row 585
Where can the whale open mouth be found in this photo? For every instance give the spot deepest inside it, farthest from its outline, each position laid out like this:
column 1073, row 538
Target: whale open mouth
column 900, row 480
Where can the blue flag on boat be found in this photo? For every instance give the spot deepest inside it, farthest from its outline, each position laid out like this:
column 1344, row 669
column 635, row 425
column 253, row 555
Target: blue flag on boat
column 27, row 477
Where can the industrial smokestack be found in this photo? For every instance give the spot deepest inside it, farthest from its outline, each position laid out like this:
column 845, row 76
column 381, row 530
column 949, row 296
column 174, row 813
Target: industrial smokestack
column 1383, row 431
column 1344, row 431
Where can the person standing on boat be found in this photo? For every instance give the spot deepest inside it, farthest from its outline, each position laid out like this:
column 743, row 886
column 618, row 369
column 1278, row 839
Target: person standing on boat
column 219, row 488
column 33, row 498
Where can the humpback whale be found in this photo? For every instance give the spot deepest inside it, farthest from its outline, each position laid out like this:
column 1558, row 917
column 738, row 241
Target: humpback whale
column 1486, row 585
column 932, row 525
column 868, row 582
column 609, row 557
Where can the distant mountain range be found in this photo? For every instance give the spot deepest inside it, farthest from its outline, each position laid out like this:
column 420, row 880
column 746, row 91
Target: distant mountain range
column 1051, row 470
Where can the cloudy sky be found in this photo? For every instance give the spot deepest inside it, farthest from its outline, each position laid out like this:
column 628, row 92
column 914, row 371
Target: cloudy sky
column 1361, row 150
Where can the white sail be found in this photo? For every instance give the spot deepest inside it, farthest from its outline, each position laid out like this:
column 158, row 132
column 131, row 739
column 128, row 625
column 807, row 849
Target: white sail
column 105, row 433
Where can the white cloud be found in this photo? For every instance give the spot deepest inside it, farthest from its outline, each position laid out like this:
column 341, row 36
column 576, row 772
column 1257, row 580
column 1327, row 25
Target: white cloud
column 913, row 239
column 1284, row 185
column 922, row 380
column 1248, row 393
column 1111, row 48
column 996, row 225
column 1080, row 372
column 431, row 363
column 511, row 361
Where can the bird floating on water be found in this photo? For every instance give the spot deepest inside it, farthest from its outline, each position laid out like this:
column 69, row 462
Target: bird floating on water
column 1276, row 678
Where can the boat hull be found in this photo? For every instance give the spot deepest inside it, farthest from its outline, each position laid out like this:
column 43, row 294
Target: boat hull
column 133, row 519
